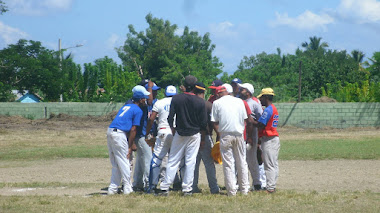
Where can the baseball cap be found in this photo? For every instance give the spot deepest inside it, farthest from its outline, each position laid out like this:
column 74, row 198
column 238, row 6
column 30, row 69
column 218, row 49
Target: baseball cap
column 141, row 89
column 266, row 91
column 200, row 87
column 170, row 90
column 236, row 80
column 138, row 96
column 228, row 88
column 248, row 86
column 215, row 84
column 155, row 87
column 220, row 89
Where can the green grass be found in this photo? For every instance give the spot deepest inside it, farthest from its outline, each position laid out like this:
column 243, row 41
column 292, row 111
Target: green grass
column 282, row 201
column 320, row 149
column 46, row 153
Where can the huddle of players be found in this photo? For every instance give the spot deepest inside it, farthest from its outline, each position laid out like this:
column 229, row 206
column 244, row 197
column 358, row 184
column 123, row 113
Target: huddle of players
column 184, row 134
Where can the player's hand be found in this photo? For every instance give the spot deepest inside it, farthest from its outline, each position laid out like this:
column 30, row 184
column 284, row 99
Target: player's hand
column 133, row 147
column 150, row 84
column 129, row 153
column 151, row 141
column 249, row 141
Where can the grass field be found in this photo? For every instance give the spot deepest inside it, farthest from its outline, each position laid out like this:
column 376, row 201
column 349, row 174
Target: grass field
column 25, row 148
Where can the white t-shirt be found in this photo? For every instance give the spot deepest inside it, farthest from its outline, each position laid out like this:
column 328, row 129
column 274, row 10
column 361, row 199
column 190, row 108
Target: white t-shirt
column 162, row 107
column 230, row 113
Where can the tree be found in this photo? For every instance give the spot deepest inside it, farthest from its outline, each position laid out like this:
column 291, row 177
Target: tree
column 315, row 44
column 3, row 8
column 166, row 57
column 374, row 68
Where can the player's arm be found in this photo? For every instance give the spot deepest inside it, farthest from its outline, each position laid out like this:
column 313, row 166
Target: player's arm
column 131, row 140
column 151, row 121
column 171, row 116
column 150, row 99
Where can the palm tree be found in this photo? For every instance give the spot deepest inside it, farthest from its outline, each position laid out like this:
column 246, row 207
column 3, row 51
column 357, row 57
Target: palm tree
column 315, row 44
column 358, row 56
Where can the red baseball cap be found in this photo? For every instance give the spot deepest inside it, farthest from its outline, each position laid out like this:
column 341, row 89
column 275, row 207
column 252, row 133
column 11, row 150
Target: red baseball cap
column 220, row 89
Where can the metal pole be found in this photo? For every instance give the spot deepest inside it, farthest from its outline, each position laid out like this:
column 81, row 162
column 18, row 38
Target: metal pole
column 60, row 66
column 299, row 82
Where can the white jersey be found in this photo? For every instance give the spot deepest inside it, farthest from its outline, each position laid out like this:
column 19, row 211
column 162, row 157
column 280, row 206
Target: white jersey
column 162, row 107
column 230, row 113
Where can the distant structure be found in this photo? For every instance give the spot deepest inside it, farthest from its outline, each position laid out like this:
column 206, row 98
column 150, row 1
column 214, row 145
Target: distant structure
column 26, row 97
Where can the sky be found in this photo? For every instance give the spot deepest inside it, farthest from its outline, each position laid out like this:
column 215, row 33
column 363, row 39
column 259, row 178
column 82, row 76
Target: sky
column 237, row 28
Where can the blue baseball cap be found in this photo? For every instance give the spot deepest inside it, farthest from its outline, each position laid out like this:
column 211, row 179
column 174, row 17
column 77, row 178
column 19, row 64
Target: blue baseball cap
column 216, row 84
column 155, row 87
column 236, row 80
column 141, row 89
column 170, row 91
column 138, row 96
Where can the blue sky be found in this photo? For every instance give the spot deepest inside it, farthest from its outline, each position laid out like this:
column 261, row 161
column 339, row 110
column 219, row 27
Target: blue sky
column 237, row 28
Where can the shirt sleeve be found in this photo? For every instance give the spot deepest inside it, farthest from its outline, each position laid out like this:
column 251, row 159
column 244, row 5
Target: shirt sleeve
column 214, row 112
column 258, row 111
column 267, row 114
column 156, row 106
column 137, row 117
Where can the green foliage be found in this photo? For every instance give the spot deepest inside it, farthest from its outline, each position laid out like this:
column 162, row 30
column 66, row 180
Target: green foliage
column 165, row 57
column 3, row 8
column 363, row 91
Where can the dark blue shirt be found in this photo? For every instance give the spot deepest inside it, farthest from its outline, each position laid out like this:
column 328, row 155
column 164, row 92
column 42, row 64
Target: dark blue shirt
column 129, row 115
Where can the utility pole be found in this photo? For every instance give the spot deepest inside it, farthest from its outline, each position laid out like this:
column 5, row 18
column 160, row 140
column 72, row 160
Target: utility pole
column 299, row 82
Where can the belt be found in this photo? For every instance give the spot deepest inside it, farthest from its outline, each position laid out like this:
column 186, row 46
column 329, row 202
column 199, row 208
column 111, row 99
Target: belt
column 163, row 128
column 115, row 130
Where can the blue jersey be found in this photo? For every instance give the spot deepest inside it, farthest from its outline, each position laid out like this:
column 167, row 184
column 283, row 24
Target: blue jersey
column 146, row 111
column 129, row 115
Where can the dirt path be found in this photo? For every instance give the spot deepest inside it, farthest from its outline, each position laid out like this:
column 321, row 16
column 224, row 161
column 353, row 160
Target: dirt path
column 81, row 174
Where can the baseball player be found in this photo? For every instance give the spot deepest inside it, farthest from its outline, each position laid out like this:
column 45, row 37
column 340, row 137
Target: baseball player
column 204, row 153
column 164, row 136
column 270, row 141
column 191, row 118
column 144, row 152
column 213, row 86
column 120, row 140
column 235, row 85
column 229, row 116
column 246, row 93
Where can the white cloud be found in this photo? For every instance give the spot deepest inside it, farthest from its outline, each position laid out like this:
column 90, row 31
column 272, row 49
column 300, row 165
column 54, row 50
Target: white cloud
column 224, row 29
column 38, row 7
column 10, row 35
column 364, row 11
column 113, row 41
column 305, row 21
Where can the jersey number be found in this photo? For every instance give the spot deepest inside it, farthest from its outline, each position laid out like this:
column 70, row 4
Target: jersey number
column 125, row 109
column 275, row 121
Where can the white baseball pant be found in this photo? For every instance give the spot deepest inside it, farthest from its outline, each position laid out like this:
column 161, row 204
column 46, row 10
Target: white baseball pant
column 117, row 143
column 233, row 148
column 253, row 165
column 142, row 164
column 182, row 147
column 271, row 148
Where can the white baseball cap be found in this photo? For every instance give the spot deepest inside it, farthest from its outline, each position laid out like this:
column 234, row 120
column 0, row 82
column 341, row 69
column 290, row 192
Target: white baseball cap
column 228, row 87
column 170, row 90
column 248, row 86
column 141, row 89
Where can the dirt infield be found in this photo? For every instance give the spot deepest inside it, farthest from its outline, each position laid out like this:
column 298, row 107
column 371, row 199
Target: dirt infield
column 93, row 174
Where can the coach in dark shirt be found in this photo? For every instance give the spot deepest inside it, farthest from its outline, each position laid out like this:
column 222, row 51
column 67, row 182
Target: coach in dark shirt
column 191, row 118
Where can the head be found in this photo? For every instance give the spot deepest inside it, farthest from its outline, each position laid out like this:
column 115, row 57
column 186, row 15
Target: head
column 246, row 91
column 200, row 89
column 139, row 93
column 221, row 91
column 139, row 98
column 266, row 96
column 170, row 91
column 228, row 88
column 189, row 83
column 214, row 85
column 235, row 85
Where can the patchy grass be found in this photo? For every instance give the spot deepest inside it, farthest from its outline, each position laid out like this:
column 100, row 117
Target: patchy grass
column 282, row 201
column 296, row 144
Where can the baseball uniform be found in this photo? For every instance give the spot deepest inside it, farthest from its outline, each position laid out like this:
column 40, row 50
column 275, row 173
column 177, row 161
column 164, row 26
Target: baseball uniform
column 129, row 115
column 270, row 144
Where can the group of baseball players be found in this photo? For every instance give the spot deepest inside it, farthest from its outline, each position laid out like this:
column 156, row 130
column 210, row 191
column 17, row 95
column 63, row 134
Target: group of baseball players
column 171, row 136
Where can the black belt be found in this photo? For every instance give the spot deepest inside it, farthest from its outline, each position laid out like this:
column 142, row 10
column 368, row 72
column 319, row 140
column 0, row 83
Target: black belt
column 115, row 130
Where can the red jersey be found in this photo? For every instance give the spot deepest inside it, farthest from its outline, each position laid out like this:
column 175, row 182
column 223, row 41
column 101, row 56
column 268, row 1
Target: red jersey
column 270, row 120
